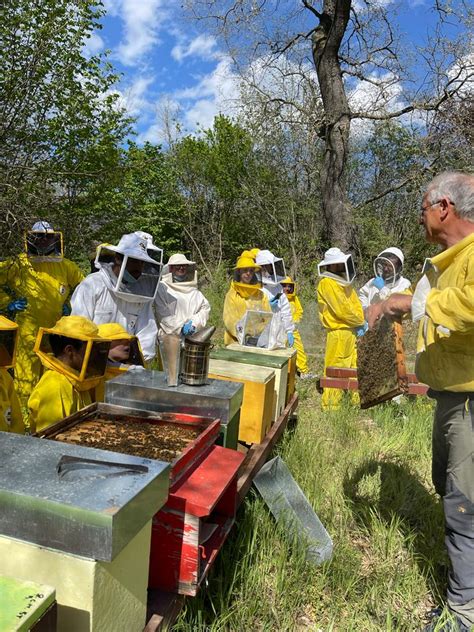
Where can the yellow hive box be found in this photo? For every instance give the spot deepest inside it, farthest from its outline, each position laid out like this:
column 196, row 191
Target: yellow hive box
column 289, row 353
column 92, row 596
column 259, row 392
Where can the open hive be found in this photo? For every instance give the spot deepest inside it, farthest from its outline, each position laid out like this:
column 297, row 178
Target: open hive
column 162, row 441
column 381, row 369
column 174, row 438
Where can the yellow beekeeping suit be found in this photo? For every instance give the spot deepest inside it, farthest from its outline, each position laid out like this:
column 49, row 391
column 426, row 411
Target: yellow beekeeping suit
column 297, row 313
column 52, row 399
column 239, row 299
column 46, row 286
column 340, row 313
column 11, row 419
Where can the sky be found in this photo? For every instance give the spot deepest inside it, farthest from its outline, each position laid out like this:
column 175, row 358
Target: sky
column 168, row 64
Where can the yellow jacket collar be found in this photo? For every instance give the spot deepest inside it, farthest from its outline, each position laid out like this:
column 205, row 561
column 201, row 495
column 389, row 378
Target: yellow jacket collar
column 246, row 291
column 49, row 361
column 445, row 258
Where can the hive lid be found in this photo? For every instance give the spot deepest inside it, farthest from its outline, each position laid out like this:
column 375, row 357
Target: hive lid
column 257, row 359
column 239, row 371
column 23, row 603
column 75, row 499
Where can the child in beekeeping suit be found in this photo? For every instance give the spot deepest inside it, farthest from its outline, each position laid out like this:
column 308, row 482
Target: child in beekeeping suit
column 341, row 315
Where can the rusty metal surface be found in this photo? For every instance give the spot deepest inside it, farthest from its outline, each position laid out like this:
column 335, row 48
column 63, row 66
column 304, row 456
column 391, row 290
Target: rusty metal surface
column 92, row 508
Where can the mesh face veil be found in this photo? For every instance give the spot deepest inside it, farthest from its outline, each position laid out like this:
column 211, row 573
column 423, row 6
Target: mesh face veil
column 44, row 246
column 248, row 276
column 132, row 273
column 338, row 266
column 90, row 353
column 182, row 273
column 388, row 266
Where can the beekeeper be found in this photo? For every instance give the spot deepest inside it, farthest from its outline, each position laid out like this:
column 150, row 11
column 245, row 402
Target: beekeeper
column 11, row 419
column 273, row 272
column 35, row 291
column 124, row 354
column 245, row 293
column 289, row 288
column 388, row 279
column 341, row 315
column 76, row 359
column 179, row 306
column 443, row 305
column 123, row 291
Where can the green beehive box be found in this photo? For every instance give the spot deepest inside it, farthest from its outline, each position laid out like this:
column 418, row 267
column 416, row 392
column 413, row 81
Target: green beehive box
column 289, row 353
column 279, row 365
column 26, row 605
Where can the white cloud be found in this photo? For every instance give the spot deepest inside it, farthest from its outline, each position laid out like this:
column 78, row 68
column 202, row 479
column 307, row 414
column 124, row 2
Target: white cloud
column 202, row 46
column 93, row 45
column 142, row 22
column 216, row 92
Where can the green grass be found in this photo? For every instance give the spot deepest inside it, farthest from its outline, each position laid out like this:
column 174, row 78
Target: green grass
column 367, row 475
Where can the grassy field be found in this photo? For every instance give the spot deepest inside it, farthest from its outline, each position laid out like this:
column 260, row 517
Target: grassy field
column 367, row 475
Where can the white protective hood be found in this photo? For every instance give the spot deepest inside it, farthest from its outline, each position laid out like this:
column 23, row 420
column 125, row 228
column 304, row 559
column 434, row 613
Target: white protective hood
column 334, row 256
column 267, row 258
column 130, row 246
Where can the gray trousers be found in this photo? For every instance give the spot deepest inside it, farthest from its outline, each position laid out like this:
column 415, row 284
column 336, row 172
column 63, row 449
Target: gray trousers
column 453, row 478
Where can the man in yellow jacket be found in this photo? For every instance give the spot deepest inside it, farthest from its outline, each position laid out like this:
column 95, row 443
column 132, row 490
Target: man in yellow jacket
column 289, row 288
column 11, row 419
column 341, row 315
column 245, row 294
column 34, row 290
column 76, row 359
column 443, row 303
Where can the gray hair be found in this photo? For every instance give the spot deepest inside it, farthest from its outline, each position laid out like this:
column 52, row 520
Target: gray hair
column 458, row 187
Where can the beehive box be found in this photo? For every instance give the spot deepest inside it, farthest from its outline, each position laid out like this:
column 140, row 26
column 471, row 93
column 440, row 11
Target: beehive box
column 174, row 438
column 288, row 352
column 26, row 605
column 381, row 368
column 256, row 414
column 278, row 364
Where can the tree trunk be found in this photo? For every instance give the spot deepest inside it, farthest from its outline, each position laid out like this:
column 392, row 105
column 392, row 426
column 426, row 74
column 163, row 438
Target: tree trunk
column 326, row 42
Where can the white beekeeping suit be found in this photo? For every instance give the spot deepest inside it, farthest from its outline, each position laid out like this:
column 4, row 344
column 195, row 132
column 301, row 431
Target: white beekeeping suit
column 122, row 291
column 273, row 272
column 180, row 307
column 388, row 279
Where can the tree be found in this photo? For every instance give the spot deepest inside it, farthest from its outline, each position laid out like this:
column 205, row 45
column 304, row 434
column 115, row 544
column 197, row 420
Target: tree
column 346, row 44
column 60, row 127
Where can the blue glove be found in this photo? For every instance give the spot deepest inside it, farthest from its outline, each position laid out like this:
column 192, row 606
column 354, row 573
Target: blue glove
column 66, row 310
column 378, row 282
column 188, row 328
column 275, row 303
column 360, row 331
column 290, row 338
column 18, row 305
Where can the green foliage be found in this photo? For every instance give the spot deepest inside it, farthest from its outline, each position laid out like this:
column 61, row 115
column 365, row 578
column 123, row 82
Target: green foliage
column 60, row 126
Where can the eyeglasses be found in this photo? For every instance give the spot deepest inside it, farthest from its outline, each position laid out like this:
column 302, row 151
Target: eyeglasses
column 423, row 209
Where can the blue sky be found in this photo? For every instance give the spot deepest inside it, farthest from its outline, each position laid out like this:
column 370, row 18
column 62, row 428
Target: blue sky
column 170, row 65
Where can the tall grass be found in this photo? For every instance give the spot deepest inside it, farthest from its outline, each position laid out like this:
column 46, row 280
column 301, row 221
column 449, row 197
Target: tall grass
column 367, row 475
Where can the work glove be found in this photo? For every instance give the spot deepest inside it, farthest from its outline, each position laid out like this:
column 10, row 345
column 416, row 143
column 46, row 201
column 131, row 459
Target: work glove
column 66, row 309
column 188, row 328
column 378, row 282
column 274, row 303
column 360, row 331
column 290, row 337
column 18, row 305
